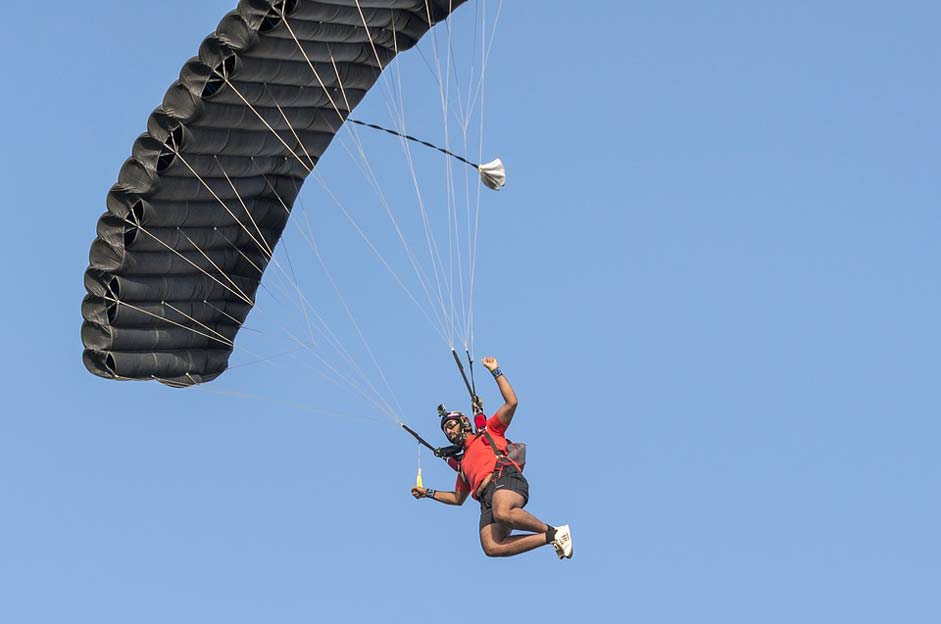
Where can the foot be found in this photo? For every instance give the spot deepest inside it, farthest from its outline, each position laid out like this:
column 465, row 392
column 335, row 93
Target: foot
column 563, row 542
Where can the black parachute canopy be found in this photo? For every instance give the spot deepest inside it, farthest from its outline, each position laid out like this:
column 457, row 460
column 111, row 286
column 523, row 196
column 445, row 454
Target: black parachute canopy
column 200, row 205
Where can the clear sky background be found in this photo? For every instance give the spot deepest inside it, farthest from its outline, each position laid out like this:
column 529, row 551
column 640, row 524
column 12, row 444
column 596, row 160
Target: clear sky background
column 712, row 279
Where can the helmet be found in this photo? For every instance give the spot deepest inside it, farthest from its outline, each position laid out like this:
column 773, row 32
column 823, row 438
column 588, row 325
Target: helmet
column 446, row 417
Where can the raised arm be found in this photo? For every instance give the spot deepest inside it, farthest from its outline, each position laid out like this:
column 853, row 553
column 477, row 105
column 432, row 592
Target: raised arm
column 506, row 411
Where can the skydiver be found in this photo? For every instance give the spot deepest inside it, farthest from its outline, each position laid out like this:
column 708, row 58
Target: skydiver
column 497, row 483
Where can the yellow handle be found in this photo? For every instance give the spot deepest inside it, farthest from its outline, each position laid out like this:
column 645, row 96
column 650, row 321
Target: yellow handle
column 418, row 479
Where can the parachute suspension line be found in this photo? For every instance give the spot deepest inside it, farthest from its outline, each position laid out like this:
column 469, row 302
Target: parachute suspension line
column 338, row 376
column 433, row 253
column 454, row 237
column 166, row 382
column 304, row 302
column 469, row 328
column 337, row 346
column 378, row 402
column 267, row 125
column 401, row 120
column 478, row 25
column 485, row 50
column 424, row 59
column 219, row 199
column 231, row 318
column 210, row 389
column 449, row 67
column 270, row 358
column 218, row 337
column 237, row 291
column 271, row 258
column 334, row 341
column 331, row 337
column 267, row 248
column 401, row 235
column 336, row 72
column 460, row 115
column 440, row 325
column 310, row 159
column 485, row 56
column 373, row 182
column 208, row 259
column 443, row 90
column 230, row 343
column 243, row 254
column 370, row 176
column 197, row 321
column 310, row 64
column 323, row 86
column 173, row 384
column 470, row 237
column 117, row 301
column 351, row 317
column 389, row 89
column 293, row 282
column 368, row 169
column 300, row 295
column 464, row 123
column 451, row 195
column 372, row 44
column 287, row 209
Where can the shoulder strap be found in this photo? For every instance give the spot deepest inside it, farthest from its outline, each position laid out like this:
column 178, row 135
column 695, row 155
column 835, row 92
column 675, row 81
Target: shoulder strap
column 493, row 445
column 500, row 454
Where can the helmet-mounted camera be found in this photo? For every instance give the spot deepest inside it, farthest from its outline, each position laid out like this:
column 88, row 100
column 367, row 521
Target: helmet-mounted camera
column 447, row 416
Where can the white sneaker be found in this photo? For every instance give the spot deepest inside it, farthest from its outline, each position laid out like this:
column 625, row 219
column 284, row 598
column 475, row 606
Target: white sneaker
column 563, row 542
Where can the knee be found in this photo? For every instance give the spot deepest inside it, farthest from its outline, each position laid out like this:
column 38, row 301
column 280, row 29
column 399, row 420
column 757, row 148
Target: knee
column 493, row 550
column 501, row 515
column 492, row 544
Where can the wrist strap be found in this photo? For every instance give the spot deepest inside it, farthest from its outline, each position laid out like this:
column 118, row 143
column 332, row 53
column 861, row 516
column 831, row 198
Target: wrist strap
column 496, row 372
column 429, row 493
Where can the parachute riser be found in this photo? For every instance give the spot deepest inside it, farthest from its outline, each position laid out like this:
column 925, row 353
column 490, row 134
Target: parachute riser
column 444, row 452
column 477, row 404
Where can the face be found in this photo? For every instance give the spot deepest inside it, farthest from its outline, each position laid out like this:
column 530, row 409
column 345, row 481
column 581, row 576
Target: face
column 454, row 431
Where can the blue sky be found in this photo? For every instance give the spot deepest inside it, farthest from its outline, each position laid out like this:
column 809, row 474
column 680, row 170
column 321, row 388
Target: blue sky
column 712, row 279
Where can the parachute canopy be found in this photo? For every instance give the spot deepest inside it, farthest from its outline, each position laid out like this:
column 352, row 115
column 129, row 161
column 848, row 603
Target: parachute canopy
column 199, row 207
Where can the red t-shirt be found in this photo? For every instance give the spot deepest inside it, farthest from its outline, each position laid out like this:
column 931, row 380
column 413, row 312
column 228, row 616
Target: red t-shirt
column 479, row 459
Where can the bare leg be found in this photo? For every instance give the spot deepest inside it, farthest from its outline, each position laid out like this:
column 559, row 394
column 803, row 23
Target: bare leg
column 509, row 514
column 508, row 510
column 496, row 541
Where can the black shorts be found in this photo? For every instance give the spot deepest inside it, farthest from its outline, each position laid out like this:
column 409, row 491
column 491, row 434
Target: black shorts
column 510, row 479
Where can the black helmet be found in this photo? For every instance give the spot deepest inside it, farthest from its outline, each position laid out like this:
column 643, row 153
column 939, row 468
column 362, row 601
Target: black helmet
column 446, row 417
